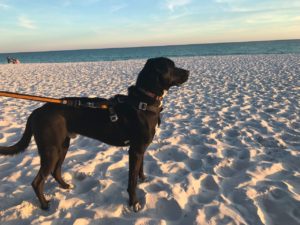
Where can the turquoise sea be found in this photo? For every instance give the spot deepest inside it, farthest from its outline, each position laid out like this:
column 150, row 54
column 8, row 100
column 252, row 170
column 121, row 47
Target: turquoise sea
column 237, row 48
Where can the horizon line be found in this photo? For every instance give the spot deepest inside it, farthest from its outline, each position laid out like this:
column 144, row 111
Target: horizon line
column 149, row 46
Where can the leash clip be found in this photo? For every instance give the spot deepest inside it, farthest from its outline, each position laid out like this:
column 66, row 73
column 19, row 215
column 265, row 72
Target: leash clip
column 90, row 104
column 143, row 106
column 114, row 118
column 112, row 114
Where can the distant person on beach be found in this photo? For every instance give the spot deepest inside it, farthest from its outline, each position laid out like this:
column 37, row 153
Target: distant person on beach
column 8, row 59
column 12, row 60
column 16, row 61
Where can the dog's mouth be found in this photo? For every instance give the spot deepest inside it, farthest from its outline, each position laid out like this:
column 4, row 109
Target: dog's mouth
column 178, row 84
column 182, row 80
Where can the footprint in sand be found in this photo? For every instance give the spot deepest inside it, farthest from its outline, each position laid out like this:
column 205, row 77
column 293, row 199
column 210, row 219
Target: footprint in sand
column 172, row 153
column 230, row 152
column 200, row 151
column 268, row 142
column 208, row 190
column 80, row 176
column 225, row 171
column 232, row 136
column 278, row 194
column 295, row 125
column 194, row 164
column 157, row 187
column 291, row 139
column 205, row 197
column 102, row 168
column 230, row 167
column 239, row 198
column 209, row 183
column 272, row 110
column 168, row 209
column 232, row 132
column 296, row 213
column 86, row 186
column 244, row 154
column 117, row 174
column 271, row 207
column 204, row 130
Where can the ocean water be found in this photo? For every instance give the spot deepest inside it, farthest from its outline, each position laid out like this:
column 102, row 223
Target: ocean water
column 239, row 48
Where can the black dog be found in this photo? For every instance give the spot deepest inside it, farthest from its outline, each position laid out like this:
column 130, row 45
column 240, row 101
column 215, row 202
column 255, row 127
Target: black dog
column 126, row 121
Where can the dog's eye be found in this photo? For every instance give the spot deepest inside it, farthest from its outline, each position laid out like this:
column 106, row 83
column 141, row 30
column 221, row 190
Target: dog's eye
column 161, row 68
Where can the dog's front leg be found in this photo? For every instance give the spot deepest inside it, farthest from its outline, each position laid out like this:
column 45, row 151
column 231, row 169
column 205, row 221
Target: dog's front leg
column 141, row 172
column 135, row 162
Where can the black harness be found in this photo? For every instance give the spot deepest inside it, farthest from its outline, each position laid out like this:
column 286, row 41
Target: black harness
column 110, row 104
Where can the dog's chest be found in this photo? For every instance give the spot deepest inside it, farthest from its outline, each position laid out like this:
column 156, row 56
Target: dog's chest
column 164, row 94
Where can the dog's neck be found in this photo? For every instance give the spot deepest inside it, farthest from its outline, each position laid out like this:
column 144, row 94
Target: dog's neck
column 151, row 94
column 146, row 96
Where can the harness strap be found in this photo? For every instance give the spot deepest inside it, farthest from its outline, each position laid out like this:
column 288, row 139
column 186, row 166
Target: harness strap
column 80, row 103
column 135, row 103
column 89, row 103
column 144, row 106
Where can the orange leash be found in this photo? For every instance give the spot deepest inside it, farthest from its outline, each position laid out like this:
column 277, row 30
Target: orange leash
column 51, row 100
column 32, row 97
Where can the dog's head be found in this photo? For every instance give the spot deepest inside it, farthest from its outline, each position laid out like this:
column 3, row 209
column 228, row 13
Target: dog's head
column 160, row 74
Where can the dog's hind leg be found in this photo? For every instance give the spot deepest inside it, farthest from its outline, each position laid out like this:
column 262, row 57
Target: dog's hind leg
column 48, row 161
column 57, row 170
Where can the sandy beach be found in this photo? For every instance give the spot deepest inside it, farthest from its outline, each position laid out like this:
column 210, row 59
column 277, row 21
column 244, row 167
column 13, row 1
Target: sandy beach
column 227, row 151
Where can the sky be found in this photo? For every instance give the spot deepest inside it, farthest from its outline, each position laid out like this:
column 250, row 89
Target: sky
column 40, row 25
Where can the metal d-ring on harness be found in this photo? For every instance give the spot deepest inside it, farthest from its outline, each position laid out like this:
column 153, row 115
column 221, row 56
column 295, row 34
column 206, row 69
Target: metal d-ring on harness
column 112, row 114
column 143, row 106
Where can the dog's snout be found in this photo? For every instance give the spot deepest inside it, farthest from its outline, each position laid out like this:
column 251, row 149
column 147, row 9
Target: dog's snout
column 186, row 74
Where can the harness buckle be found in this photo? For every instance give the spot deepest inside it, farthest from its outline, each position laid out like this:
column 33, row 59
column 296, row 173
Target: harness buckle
column 90, row 104
column 113, row 118
column 143, row 106
column 77, row 103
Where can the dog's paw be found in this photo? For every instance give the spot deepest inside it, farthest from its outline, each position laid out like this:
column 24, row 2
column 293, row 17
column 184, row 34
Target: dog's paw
column 66, row 186
column 136, row 207
column 46, row 205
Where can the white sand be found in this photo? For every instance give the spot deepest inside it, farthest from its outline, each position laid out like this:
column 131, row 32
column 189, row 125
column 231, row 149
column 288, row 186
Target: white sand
column 227, row 152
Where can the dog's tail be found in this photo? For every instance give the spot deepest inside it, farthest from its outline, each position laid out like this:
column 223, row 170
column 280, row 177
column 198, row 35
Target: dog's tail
column 21, row 145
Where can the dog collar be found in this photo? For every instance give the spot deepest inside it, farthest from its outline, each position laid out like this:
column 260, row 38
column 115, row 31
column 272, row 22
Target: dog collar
column 150, row 94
